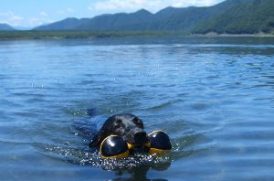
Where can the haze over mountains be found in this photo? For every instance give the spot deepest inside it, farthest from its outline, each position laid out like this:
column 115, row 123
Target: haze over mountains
column 231, row 16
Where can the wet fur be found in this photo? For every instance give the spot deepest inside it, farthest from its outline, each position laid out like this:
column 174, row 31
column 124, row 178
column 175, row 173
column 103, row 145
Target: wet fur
column 120, row 124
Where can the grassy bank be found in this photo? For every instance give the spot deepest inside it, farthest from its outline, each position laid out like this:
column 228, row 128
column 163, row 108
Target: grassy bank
column 36, row 35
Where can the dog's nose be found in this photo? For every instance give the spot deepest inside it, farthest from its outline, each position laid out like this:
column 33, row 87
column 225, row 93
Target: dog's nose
column 140, row 138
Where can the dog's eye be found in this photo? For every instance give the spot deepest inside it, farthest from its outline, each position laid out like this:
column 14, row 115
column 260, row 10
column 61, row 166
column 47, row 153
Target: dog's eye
column 118, row 121
column 116, row 126
column 136, row 120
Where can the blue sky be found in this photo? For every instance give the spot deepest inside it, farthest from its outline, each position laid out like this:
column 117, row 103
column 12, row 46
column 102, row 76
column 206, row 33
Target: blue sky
column 30, row 13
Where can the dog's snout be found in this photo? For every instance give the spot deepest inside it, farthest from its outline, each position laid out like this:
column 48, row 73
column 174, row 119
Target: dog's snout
column 140, row 138
column 137, row 137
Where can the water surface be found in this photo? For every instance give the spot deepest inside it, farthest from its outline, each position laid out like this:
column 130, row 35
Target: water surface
column 213, row 96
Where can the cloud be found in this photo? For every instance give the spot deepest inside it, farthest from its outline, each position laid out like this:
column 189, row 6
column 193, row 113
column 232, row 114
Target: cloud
column 43, row 13
column 11, row 18
column 15, row 20
column 70, row 10
column 152, row 5
column 42, row 17
column 32, row 22
column 66, row 11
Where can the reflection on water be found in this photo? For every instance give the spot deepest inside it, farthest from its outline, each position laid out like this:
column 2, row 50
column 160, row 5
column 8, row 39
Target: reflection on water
column 213, row 96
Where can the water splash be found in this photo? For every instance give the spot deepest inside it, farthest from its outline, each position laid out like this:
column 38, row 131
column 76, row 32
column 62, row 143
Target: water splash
column 91, row 158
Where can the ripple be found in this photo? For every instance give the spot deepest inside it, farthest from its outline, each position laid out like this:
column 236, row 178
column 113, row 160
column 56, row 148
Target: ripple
column 213, row 97
column 81, row 157
column 163, row 105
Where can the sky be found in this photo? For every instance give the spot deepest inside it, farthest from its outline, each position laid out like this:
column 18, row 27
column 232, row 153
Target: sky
column 31, row 13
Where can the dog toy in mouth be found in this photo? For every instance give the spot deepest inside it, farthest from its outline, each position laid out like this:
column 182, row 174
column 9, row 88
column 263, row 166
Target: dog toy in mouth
column 113, row 146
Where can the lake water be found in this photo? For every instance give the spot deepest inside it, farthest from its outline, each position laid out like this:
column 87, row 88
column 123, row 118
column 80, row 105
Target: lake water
column 214, row 97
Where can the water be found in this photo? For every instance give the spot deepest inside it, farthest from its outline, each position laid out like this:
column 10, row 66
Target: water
column 214, row 97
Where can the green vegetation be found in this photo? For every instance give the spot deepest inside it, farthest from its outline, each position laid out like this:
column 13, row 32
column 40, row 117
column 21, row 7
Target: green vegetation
column 21, row 35
column 61, row 35
column 246, row 17
column 229, row 17
column 236, row 17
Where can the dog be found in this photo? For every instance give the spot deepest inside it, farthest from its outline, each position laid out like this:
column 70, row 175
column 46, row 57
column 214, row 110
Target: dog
column 124, row 133
column 127, row 126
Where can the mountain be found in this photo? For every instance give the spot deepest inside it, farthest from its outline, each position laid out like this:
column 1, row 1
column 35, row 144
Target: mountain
column 230, row 16
column 246, row 16
column 119, row 21
column 66, row 24
column 6, row 27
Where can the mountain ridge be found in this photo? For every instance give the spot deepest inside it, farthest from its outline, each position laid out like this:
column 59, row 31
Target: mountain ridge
column 228, row 17
column 6, row 27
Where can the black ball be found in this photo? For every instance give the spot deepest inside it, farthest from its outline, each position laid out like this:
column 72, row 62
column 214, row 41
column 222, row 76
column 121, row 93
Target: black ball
column 114, row 147
column 159, row 140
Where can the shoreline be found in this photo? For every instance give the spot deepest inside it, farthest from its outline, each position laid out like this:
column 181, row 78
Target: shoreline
column 260, row 35
column 62, row 35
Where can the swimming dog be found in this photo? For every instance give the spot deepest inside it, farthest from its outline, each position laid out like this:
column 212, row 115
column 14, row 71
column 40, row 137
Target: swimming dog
column 123, row 134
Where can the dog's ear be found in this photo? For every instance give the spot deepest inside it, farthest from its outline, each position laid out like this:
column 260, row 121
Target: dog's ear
column 102, row 134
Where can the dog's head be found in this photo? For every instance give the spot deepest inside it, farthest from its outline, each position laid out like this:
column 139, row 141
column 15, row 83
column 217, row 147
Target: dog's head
column 128, row 126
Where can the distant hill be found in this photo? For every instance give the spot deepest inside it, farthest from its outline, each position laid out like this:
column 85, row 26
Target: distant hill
column 5, row 27
column 231, row 16
column 245, row 16
column 107, row 22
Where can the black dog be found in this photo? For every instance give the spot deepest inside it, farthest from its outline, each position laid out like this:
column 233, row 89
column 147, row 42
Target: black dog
column 127, row 130
column 128, row 126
